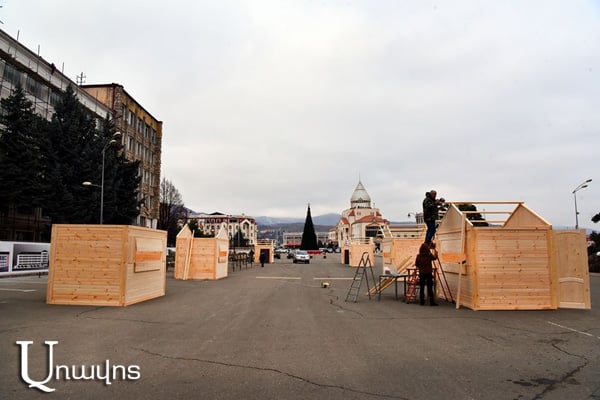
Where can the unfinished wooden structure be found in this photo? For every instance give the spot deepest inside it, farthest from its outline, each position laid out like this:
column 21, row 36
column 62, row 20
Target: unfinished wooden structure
column 266, row 247
column 353, row 249
column 512, row 260
column 201, row 258
column 106, row 265
column 399, row 253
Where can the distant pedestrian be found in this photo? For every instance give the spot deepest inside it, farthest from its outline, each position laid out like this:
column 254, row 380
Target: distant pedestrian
column 262, row 258
column 431, row 213
column 424, row 263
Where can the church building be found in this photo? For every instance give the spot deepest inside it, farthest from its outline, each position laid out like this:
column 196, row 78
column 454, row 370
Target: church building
column 361, row 220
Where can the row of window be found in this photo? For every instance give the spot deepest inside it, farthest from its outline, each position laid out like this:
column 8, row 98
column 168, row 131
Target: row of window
column 30, row 84
column 138, row 124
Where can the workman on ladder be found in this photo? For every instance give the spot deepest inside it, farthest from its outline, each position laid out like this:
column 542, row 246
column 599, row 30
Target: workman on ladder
column 424, row 263
column 430, row 213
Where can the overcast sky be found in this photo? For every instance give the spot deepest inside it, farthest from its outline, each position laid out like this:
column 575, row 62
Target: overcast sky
column 270, row 105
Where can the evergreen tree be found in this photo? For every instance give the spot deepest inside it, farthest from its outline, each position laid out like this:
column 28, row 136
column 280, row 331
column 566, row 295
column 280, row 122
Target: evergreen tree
column 75, row 151
column 21, row 161
column 475, row 218
column 74, row 156
column 309, row 237
column 121, row 179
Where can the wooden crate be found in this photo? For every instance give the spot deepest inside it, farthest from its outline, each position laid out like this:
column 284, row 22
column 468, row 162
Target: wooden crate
column 201, row 258
column 106, row 265
column 517, row 263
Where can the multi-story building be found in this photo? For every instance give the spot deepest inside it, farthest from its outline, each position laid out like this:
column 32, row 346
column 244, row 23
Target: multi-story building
column 212, row 224
column 142, row 139
column 42, row 82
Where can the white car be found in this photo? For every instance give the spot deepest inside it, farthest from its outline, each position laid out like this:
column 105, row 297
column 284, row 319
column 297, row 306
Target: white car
column 301, row 256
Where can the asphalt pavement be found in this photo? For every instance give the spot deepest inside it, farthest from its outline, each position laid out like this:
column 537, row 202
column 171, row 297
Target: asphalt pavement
column 276, row 333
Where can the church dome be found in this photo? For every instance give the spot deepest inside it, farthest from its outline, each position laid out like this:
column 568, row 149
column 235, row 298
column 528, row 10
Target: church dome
column 360, row 198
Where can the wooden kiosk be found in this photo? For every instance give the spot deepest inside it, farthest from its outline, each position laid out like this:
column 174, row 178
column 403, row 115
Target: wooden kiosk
column 106, row 265
column 201, row 258
column 516, row 262
column 266, row 247
column 352, row 251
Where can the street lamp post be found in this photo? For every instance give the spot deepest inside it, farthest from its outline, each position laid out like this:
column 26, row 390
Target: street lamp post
column 583, row 185
column 101, row 186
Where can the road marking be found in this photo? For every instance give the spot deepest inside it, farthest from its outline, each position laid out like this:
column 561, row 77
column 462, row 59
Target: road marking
column 278, row 277
column 12, row 281
column 573, row 330
column 333, row 279
column 19, row 290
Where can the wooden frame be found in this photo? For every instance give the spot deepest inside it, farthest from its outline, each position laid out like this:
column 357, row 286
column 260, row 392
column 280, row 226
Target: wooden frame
column 515, row 263
column 201, row 258
column 106, row 265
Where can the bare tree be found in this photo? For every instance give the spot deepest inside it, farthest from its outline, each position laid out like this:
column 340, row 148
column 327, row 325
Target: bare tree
column 171, row 211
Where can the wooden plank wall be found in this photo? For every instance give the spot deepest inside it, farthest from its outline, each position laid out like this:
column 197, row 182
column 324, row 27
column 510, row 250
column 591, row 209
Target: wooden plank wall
column 222, row 248
column 203, row 262
column 572, row 270
column 450, row 243
column 146, row 264
column 357, row 250
column 182, row 251
column 513, row 269
column 400, row 253
column 86, row 265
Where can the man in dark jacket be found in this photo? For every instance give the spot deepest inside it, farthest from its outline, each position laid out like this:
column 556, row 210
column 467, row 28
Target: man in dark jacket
column 430, row 214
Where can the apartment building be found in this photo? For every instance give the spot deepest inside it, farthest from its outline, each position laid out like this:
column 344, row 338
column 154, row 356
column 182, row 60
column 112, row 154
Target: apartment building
column 142, row 140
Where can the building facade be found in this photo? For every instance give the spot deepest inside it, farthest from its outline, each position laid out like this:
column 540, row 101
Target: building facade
column 43, row 83
column 141, row 139
column 292, row 240
column 361, row 220
column 212, row 224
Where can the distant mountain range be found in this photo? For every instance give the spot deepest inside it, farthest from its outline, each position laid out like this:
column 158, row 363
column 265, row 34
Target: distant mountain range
column 322, row 220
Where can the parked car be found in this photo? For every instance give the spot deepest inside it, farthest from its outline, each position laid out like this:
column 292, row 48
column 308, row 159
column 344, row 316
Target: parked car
column 301, row 256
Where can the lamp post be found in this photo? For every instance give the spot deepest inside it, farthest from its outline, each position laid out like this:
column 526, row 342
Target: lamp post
column 583, row 185
column 115, row 136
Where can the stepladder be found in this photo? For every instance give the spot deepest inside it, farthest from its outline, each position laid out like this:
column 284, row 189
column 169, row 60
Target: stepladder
column 412, row 285
column 361, row 274
column 440, row 279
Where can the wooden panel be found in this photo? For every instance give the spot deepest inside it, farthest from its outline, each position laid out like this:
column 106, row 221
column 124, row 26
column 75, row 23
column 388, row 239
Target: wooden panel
column 85, row 265
column 145, row 279
column 571, row 264
column 397, row 252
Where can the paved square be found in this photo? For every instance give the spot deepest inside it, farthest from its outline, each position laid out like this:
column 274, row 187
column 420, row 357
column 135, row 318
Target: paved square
column 276, row 333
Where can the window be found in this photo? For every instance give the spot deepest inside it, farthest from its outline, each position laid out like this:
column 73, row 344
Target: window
column 34, row 87
column 54, row 98
column 11, row 74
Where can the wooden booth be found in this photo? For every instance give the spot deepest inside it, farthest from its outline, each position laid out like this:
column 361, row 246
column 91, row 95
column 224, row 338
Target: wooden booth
column 201, row 258
column 512, row 261
column 106, row 265
column 352, row 251
column 399, row 253
column 266, row 247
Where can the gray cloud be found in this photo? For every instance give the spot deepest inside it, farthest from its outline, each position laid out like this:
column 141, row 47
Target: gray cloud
column 270, row 105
